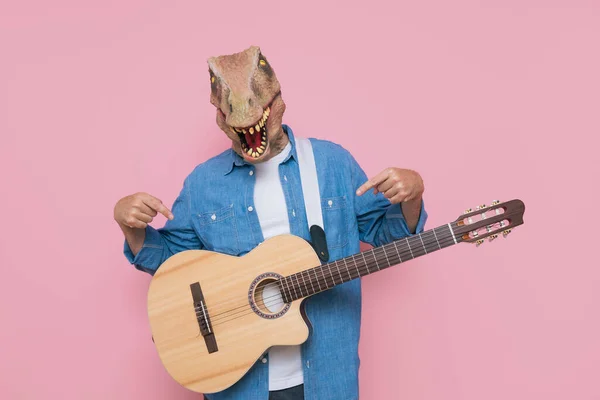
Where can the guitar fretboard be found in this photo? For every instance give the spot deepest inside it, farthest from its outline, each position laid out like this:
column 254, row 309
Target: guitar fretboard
column 326, row 276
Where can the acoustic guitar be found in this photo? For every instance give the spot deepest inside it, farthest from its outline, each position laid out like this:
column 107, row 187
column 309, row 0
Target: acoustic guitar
column 213, row 315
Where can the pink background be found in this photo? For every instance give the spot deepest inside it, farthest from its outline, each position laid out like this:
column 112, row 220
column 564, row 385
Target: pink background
column 485, row 99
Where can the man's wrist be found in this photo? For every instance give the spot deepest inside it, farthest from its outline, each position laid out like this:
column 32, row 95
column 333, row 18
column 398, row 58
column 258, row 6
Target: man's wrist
column 412, row 212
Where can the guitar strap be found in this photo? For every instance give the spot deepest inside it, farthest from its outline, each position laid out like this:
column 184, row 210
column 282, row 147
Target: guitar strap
column 312, row 197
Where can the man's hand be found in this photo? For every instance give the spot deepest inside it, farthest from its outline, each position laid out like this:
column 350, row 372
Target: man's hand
column 399, row 186
column 134, row 213
column 138, row 210
column 396, row 184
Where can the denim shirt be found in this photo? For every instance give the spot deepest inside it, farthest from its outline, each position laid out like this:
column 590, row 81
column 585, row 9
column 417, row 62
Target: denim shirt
column 214, row 211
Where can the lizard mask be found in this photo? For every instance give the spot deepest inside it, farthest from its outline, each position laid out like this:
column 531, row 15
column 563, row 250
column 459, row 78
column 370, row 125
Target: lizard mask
column 247, row 95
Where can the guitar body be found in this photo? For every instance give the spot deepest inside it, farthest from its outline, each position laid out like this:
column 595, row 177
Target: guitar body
column 240, row 326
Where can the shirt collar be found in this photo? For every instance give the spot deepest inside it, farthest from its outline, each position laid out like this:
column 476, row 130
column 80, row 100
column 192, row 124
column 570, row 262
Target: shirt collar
column 237, row 161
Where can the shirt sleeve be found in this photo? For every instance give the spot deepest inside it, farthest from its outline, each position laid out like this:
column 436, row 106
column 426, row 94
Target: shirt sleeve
column 379, row 221
column 177, row 235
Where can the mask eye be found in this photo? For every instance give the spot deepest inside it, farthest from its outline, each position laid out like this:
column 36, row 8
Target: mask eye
column 262, row 63
column 212, row 79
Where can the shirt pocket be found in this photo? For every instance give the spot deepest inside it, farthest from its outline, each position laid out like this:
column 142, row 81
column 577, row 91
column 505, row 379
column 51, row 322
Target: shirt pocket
column 335, row 221
column 218, row 230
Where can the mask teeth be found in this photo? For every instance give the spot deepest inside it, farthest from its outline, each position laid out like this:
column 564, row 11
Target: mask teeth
column 259, row 127
column 255, row 152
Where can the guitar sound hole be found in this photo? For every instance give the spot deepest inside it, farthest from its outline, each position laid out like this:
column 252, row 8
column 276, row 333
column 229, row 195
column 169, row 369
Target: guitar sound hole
column 267, row 297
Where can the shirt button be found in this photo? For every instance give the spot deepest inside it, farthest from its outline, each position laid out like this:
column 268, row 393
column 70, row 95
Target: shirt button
column 251, row 173
column 250, row 208
column 330, row 202
column 264, row 360
column 213, row 217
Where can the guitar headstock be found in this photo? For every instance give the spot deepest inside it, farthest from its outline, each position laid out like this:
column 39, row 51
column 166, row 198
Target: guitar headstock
column 488, row 221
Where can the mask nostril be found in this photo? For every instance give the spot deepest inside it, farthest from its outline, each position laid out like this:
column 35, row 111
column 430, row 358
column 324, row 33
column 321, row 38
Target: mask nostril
column 250, row 102
column 230, row 108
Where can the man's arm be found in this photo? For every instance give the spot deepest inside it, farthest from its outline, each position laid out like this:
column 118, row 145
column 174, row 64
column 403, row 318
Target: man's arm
column 393, row 209
column 146, row 247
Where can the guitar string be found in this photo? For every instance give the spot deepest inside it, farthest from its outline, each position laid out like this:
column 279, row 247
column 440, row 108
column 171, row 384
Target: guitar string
column 374, row 253
column 364, row 264
column 451, row 234
column 447, row 241
column 397, row 244
column 247, row 310
column 315, row 282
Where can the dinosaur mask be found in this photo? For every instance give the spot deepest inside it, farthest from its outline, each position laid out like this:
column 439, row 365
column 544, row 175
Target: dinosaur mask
column 247, row 95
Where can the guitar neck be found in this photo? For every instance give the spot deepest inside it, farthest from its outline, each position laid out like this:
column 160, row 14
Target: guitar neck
column 326, row 276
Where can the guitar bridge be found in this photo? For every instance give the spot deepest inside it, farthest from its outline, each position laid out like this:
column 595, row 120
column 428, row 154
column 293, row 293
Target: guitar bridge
column 203, row 318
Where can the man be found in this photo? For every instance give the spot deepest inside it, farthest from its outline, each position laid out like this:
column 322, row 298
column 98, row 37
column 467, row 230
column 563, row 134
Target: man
column 251, row 192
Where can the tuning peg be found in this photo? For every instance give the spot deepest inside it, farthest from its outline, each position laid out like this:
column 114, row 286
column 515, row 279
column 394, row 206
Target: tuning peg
column 506, row 232
column 478, row 243
column 469, row 219
column 498, row 211
column 481, row 207
column 492, row 237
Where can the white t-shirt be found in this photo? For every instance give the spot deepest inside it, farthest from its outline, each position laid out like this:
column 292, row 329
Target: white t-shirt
column 285, row 362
